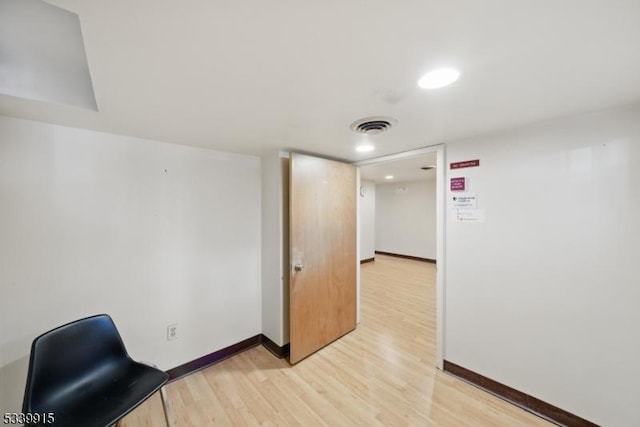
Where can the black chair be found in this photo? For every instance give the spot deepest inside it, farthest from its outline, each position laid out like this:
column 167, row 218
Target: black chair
column 81, row 374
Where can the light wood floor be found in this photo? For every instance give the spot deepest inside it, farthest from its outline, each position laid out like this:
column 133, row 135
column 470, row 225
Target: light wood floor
column 381, row 374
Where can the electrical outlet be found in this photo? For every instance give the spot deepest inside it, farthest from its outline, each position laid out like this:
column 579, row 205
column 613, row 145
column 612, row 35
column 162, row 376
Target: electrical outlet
column 172, row 332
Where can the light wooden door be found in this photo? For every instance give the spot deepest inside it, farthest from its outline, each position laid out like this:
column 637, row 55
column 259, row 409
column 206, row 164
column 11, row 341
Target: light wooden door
column 322, row 233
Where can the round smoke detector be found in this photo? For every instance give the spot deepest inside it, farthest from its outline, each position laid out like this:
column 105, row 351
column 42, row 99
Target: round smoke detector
column 373, row 125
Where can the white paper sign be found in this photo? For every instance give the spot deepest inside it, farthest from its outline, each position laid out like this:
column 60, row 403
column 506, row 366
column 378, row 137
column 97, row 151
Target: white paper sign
column 464, row 201
column 469, row 215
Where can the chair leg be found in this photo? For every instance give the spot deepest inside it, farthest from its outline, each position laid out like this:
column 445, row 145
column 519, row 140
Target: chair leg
column 165, row 406
column 165, row 409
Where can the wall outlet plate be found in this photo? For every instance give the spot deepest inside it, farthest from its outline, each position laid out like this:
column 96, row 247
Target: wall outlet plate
column 172, row 332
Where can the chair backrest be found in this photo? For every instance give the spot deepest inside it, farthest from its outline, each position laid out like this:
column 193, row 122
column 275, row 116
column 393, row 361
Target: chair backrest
column 68, row 354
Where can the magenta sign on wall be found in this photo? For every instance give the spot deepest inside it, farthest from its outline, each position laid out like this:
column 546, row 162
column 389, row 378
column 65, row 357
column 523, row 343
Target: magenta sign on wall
column 465, row 164
column 458, row 184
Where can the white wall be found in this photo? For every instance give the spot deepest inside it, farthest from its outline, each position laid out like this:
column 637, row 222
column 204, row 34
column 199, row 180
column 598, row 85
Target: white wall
column 367, row 220
column 275, row 247
column 543, row 296
column 406, row 218
column 151, row 233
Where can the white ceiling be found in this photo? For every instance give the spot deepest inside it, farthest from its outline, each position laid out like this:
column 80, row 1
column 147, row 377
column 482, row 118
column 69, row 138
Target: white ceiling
column 253, row 75
column 402, row 170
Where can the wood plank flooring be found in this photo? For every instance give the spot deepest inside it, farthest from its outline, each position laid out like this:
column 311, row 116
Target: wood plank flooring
column 381, row 374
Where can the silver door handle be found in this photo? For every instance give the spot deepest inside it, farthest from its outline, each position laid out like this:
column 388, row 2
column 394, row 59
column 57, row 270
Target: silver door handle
column 298, row 267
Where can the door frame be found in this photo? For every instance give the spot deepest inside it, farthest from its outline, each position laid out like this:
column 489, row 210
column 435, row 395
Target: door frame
column 441, row 215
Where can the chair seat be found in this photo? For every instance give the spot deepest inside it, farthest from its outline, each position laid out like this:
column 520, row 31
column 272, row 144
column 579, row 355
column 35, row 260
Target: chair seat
column 82, row 374
column 104, row 397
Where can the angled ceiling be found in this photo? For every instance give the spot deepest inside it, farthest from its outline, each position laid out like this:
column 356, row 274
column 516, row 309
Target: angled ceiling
column 249, row 76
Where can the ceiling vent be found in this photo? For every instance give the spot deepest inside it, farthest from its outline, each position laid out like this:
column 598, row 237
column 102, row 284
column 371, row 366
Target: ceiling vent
column 373, row 125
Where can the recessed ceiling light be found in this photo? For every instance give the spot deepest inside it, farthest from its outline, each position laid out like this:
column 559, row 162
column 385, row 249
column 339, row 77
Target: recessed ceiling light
column 438, row 78
column 388, row 177
column 363, row 148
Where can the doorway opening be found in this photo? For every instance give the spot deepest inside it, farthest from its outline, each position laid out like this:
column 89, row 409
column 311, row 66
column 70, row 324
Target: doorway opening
column 407, row 167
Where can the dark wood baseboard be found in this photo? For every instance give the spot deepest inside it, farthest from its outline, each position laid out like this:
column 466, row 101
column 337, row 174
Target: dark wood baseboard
column 364, row 261
column 415, row 258
column 518, row 398
column 275, row 349
column 225, row 353
column 211, row 358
